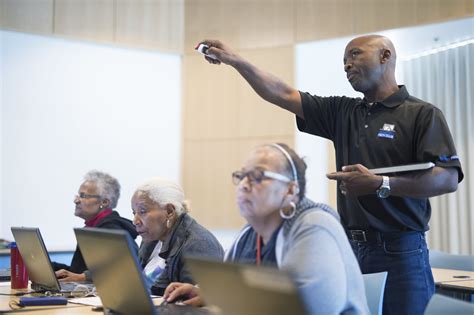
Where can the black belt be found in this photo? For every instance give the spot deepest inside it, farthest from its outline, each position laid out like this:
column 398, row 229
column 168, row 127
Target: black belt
column 363, row 236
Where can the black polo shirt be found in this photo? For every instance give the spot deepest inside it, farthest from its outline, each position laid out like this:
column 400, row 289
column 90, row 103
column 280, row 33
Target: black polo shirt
column 400, row 130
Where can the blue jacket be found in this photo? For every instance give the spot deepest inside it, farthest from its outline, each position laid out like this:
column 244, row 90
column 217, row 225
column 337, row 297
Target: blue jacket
column 186, row 238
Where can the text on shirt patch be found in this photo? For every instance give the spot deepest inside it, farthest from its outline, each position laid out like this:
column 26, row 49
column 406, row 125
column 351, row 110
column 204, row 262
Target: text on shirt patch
column 387, row 131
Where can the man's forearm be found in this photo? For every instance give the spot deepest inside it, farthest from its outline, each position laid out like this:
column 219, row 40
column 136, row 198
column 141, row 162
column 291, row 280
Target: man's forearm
column 434, row 182
column 269, row 87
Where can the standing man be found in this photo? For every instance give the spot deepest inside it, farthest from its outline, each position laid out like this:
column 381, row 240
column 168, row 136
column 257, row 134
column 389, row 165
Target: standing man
column 385, row 217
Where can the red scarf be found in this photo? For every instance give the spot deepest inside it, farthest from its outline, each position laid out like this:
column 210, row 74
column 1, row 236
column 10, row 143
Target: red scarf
column 94, row 221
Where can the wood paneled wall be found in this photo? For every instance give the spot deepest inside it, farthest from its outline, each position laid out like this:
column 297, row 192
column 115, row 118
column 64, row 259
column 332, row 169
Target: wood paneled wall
column 176, row 25
column 242, row 23
column 322, row 19
column 32, row 16
column 223, row 119
column 92, row 20
column 148, row 24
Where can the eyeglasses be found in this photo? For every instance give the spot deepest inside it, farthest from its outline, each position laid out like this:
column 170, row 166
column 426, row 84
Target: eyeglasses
column 256, row 176
column 86, row 196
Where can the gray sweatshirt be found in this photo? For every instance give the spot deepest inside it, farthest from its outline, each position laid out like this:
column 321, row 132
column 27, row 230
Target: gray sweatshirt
column 314, row 248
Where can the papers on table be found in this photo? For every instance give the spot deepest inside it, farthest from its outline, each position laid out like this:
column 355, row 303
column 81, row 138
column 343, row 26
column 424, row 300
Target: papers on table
column 92, row 301
column 95, row 300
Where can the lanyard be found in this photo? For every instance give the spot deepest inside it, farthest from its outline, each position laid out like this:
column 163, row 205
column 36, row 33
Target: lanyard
column 259, row 250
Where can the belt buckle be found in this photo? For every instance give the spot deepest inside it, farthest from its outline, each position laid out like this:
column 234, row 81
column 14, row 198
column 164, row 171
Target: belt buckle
column 358, row 235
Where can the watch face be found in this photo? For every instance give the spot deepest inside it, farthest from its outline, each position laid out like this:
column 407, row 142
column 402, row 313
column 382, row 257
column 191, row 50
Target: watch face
column 383, row 192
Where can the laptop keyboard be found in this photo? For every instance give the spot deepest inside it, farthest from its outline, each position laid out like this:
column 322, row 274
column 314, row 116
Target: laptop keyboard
column 80, row 287
column 68, row 286
column 172, row 309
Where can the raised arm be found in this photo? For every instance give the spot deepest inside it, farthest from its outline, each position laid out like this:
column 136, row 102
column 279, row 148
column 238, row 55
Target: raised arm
column 268, row 86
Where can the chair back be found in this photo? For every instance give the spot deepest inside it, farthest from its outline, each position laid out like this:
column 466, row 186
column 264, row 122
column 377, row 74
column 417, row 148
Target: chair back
column 374, row 288
column 442, row 305
column 439, row 259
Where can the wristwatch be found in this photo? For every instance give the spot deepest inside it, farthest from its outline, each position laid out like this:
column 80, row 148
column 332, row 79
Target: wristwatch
column 384, row 189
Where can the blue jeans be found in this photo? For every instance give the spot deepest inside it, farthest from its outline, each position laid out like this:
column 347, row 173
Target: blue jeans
column 410, row 283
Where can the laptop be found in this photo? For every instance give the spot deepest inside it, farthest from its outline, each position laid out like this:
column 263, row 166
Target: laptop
column 246, row 289
column 36, row 259
column 117, row 275
column 5, row 275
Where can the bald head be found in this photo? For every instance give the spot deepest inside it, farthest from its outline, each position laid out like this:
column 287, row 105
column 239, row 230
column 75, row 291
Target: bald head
column 378, row 43
column 369, row 62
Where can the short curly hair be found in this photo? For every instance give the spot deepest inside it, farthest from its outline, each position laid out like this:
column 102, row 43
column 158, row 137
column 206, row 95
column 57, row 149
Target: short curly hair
column 108, row 187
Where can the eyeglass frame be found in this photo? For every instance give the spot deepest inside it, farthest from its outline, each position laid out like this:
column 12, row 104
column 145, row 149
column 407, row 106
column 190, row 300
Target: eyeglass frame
column 87, row 196
column 266, row 175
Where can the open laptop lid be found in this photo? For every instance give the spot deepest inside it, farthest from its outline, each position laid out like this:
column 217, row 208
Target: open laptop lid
column 245, row 289
column 36, row 258
column 115, row 270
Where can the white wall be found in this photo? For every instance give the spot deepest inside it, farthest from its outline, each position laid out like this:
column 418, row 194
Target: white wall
column 68, row 107
column 319, row 70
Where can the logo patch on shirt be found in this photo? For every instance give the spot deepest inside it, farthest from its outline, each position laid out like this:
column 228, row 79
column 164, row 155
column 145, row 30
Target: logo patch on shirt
column 445, row 158
column 387, row 131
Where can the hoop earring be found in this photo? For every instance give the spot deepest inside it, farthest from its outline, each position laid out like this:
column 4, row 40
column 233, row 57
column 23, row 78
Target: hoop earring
column 168, row 223
column 285, row 216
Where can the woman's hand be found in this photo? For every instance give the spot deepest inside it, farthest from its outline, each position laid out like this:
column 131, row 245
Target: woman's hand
column 186, row 291
column 66, row 276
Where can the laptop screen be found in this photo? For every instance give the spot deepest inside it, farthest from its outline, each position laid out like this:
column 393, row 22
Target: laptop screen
column 115, row 270
column 36, row 258
column 246, row 289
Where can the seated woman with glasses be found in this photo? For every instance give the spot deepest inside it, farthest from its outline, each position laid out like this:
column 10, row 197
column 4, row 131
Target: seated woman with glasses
column 168, row 233
column 97, row 197
column 289, row 231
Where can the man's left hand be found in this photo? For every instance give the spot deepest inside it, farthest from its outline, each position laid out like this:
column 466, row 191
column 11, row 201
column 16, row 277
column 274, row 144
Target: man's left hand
column 356, row 180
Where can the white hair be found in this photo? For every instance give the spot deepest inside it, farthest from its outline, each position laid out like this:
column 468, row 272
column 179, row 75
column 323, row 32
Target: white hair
column 163, row 192
column 108, row 187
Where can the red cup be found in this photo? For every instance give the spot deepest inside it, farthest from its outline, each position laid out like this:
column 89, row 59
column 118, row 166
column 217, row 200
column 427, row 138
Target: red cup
column 19, row 276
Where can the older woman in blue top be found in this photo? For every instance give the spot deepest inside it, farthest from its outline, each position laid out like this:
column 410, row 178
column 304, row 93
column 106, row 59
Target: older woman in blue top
column 288, row 230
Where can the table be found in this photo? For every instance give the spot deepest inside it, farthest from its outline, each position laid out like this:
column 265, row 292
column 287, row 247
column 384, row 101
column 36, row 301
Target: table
column 465, row 286
column 457, row 283
column 73, row 309
column 5, row 301
column 451, row 275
